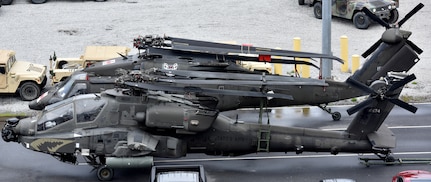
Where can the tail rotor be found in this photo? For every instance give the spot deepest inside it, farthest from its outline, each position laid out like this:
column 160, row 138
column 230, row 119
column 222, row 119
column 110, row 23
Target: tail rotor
column 387, row 92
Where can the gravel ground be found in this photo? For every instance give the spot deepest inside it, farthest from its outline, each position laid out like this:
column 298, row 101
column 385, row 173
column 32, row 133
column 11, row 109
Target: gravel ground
column 67, row 26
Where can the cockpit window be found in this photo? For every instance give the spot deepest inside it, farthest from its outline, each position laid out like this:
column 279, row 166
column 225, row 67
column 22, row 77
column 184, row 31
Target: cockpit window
column 87, row 110
column 78, row 89
column 64, row 89
column 55, row 117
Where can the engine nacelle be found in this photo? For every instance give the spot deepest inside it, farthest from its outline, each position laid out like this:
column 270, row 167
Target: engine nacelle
column 179, row 116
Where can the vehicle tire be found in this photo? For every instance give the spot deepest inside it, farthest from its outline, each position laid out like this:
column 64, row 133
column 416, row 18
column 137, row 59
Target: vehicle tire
column 105, row 173
column 38, row 1
column 29, row 91
column 318, row 10
column 301, row 2
column 361, row 20
column 393, row 17
column 7, row 2
column 62, row 64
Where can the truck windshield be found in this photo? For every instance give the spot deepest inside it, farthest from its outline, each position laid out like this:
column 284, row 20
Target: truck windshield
column 10, row 61
column 64, row 88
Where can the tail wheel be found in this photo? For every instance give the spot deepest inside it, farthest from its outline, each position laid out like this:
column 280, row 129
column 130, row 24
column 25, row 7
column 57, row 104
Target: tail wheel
column 105, row 173
column 336, row 116
column 29, row 91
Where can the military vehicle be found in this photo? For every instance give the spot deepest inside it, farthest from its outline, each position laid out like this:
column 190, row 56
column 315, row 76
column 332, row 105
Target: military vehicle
column 62, row 68
column 21, row 77
column 8, row 2
column 119, row 129
column 353, row 10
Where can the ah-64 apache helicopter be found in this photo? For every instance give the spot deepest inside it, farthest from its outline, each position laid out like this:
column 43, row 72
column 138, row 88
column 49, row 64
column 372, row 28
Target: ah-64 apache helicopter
column 170, row 53
column 216, row 59
column 119, row 129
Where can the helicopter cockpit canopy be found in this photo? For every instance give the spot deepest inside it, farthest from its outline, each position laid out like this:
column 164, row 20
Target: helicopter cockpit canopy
column 79, row 109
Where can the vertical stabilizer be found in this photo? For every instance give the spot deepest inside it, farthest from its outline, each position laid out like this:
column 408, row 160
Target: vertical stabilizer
column 373, row 111
column 388, row 57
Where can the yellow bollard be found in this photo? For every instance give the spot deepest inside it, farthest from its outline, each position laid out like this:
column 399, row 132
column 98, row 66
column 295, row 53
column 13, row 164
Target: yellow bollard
column 297, row 47
column 306, row 111
column 278, row 68
column 303, row 70
column 344, row 48
column 355, row 62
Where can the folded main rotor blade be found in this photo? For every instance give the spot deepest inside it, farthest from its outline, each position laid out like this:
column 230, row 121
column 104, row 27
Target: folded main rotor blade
column 206, row 90
column 241, row 76
column 404, row 105
column 410, row 14
column 360, row 106
column 231, row 49
column 237, row 82
column 253, row 57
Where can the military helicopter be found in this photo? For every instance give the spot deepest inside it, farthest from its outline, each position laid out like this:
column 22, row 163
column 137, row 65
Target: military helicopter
column 203, row 59
column 119, row 129
column 169, row 54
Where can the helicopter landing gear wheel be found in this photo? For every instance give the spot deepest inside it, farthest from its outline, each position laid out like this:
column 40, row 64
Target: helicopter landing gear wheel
column 105, row 173
column 336, row 116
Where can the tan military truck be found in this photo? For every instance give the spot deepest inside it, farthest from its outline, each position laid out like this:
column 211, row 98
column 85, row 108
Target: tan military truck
column 25, row 78
column 62, row 68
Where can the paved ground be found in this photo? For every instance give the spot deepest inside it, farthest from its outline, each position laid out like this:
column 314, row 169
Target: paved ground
column 67, row 26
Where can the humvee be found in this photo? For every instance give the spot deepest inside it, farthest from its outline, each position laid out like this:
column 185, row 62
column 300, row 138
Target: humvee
column 353, row 10
column 62, row 68
column 25, row 78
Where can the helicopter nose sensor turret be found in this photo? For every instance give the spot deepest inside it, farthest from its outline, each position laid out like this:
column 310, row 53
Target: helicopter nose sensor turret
column 14, row 128
column 8, row 134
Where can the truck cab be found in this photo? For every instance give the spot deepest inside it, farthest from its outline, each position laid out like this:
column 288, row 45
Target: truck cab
column 62, row 68
column 21, row 77
column 353, row 10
